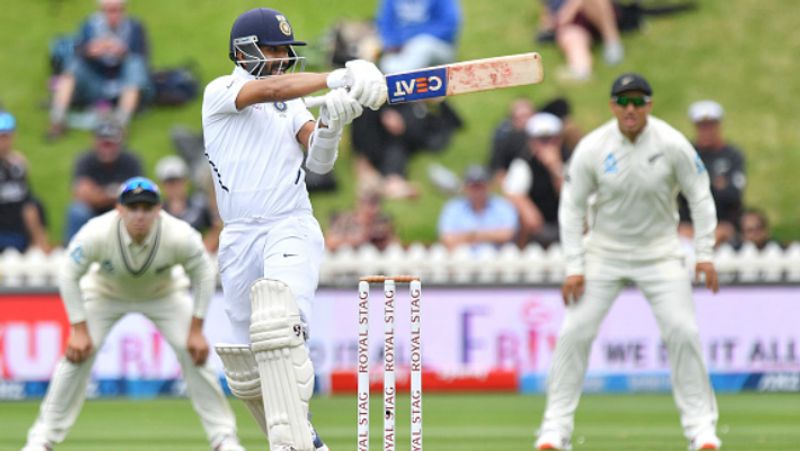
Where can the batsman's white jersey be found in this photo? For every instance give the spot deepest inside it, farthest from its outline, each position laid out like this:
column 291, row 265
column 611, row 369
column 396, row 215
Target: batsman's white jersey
column 629, row 189
column 269, row 230
column 633, row 186
column 254, row 153
column 107, row 275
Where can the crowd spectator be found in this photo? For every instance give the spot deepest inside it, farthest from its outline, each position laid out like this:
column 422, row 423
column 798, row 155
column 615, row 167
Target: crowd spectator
column 755, row 229
column 385, row 140
column 21, row 214
column 534, row 180
column 413, row 34
column 110, row 64
column 577, row 24
column 726, row 169
column 478, row 218
column 571, row 131
column 193, row 207
column 367, row 224
column 98, row 174
column 417, row 33
column 509, row 138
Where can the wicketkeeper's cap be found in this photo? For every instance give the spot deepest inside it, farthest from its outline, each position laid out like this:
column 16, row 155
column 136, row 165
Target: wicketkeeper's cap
column 139, row 190
column 631, row 82
column 705, row 110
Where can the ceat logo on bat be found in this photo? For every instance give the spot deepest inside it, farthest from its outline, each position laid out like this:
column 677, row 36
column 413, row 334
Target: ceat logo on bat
column 421, row 84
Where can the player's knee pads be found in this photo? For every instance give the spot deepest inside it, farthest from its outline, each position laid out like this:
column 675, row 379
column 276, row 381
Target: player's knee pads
column 277, row 337
column 241, row 371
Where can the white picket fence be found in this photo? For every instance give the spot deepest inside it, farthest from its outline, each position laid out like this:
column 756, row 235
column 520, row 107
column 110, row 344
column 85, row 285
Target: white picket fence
column 436, row 265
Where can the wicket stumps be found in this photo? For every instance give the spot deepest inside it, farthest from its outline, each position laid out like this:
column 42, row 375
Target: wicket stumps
column 389, row 362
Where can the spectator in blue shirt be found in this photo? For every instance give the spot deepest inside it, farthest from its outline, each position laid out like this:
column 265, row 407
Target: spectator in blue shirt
column 110, row 64
column 478, row 219
column 417, row 33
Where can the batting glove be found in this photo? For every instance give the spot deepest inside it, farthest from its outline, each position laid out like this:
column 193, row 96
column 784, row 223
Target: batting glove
column 339, row 109
column 366, row 82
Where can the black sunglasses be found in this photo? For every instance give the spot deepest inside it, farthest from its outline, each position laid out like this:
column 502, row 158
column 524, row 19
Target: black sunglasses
column 638, row 102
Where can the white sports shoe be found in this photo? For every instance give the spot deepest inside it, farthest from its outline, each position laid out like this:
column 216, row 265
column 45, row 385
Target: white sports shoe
column 705, row 440
column 554, row 441
column 37, row 447
column 229, row 444
column 613, row 53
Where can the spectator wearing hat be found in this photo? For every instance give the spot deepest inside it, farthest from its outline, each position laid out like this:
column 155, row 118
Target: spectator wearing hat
column 509, row 138
column 98, row 174
column 21, row 214
column 110, row 64
column 726, row 169
column 534, row 180
column 192, row 207
column 477, row 219
column 367, row 224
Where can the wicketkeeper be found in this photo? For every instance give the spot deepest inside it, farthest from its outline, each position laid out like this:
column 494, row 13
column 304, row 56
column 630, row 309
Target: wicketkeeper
column 121, row 262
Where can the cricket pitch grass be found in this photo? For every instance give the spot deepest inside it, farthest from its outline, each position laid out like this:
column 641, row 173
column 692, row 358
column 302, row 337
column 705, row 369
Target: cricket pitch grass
column 453, row 422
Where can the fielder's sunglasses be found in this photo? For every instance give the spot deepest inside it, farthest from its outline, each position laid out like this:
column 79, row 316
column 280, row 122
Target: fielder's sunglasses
column 638, row 102
column 137, row 185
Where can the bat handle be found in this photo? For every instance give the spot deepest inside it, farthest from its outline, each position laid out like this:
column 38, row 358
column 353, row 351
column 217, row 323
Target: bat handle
column 313, row 102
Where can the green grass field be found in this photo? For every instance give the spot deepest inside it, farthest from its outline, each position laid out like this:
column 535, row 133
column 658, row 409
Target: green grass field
column 739, row 52
column 748, row 422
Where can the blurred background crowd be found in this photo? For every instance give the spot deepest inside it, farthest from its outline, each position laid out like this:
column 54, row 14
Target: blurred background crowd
column 103, row 90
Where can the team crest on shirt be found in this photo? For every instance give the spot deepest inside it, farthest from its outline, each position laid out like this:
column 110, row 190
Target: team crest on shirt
column 284, row 26
column 106, row 266
column 610, row 164
column 280, row 106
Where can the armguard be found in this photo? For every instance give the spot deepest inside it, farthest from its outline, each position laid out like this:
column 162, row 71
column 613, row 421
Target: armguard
column 323, row 149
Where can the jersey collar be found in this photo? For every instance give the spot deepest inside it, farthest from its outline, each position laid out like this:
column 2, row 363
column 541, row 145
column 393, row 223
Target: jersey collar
column 238, row 72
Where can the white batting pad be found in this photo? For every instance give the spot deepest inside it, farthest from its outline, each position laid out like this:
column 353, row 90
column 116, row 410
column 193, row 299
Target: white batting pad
column 287, row 376
column 241, row 372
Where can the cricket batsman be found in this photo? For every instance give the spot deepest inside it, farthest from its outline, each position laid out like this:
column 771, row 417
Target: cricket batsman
column 257, row 132
column 632, row 169
column 121, row 262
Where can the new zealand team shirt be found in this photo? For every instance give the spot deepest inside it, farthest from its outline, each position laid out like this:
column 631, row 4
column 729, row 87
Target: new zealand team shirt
column 254, row 153
column 103, row 262
column 633, row 188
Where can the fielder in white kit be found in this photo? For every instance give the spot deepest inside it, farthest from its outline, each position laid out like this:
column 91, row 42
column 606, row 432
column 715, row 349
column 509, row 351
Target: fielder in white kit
column 121, row 262
column 627, row 174
column 256, row 126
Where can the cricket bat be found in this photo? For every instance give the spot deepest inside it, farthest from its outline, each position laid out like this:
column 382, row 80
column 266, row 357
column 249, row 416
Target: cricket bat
column 460, row 78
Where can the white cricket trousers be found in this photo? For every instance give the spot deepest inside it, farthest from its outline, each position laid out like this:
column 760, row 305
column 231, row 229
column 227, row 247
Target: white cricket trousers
column 288, row 249
column 668, row 290
column 171, row 315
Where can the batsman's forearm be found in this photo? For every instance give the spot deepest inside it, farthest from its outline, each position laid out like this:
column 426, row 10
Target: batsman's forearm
column 291, row 86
